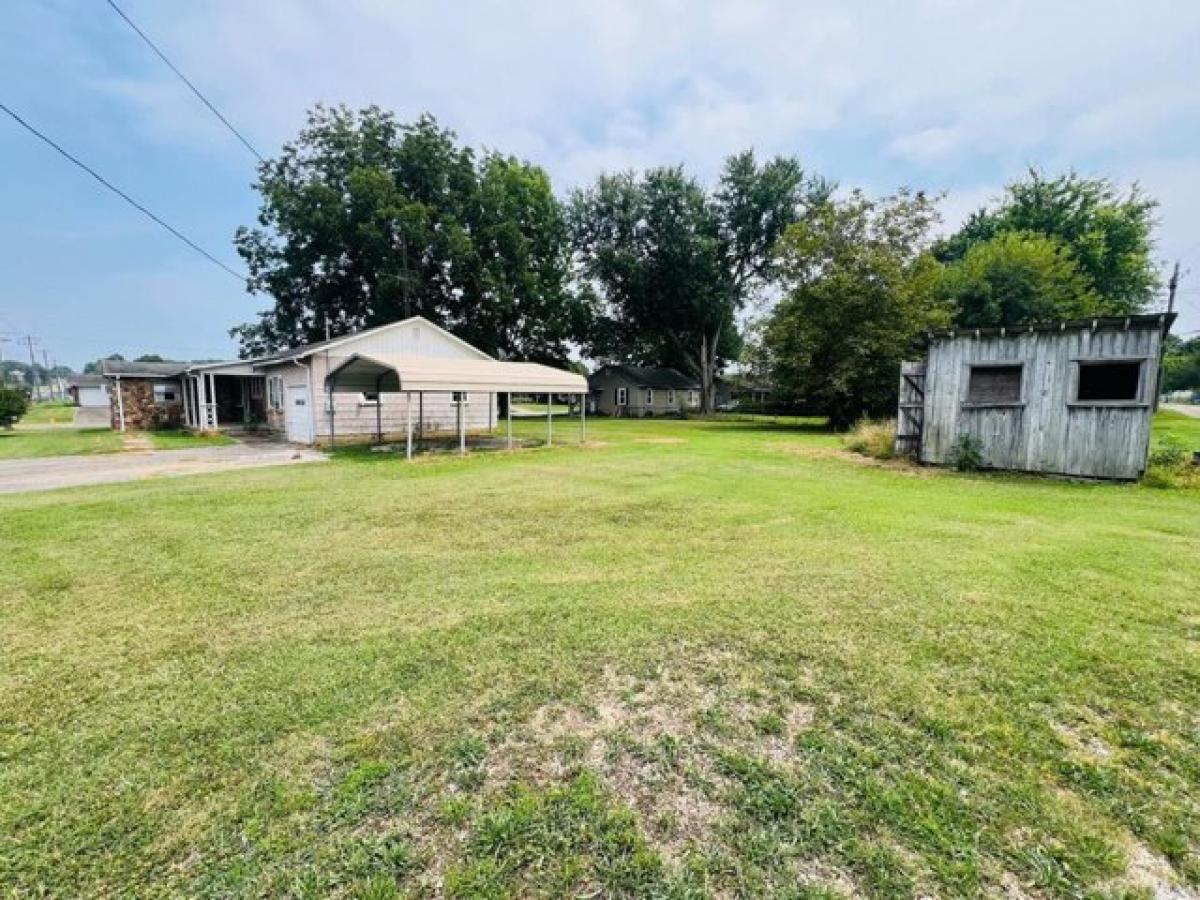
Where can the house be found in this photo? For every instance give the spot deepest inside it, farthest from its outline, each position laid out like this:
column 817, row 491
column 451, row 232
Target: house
column 371, row 383
column 1069, row 398
column 731, row 393
column 619, row 390
column 88, row 391
column 143, row 396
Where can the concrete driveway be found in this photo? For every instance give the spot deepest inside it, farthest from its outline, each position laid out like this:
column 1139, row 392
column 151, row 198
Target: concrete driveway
column 1188, row 409
column 18, row 475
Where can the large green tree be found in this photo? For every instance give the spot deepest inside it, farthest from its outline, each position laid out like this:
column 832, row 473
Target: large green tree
column 669, row 266
column 1105, row 233
column 1181, row 364
column 365, row 220
column 1017, row 276
column 859, row 294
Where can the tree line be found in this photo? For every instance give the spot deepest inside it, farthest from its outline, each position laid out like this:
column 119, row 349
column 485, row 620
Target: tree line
column 365, row 219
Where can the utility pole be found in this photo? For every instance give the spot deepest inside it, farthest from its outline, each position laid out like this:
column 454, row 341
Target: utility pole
column 32, row 365
column 49, row 374
column 1172, row 285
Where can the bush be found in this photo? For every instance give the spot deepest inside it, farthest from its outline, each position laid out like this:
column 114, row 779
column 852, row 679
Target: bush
column 873, row 437
column 14, row 403
column 1170, row 466
column 967, row 453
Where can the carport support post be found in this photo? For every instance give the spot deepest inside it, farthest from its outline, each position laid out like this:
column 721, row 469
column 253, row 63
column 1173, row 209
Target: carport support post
column 408, row 446
column 549, row 420
column 583, row 418
column 378, row 411
column 508, row 416
column 462, row 426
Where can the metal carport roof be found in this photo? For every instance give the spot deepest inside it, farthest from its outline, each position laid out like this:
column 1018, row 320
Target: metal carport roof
column 393, row 372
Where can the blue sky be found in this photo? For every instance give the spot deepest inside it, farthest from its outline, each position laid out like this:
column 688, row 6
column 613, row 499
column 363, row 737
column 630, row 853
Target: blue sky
column 948, row 96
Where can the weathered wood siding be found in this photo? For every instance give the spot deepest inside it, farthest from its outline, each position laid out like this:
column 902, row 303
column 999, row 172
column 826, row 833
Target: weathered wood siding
column 1047, row 430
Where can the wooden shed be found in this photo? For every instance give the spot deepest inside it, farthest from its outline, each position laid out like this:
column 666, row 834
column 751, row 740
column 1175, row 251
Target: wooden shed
column 1069, row 398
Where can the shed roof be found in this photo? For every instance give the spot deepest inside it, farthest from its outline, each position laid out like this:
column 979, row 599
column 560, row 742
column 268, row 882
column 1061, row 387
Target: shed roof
column 654, row 377
column 1144, row 320
column 391, row 372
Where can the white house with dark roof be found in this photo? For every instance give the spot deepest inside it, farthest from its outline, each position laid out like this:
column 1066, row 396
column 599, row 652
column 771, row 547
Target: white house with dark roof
column 620, row 390
column 378, row 382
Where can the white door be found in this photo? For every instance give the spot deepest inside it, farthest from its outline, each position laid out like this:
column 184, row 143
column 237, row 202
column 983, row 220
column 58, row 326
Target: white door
column 297, row 415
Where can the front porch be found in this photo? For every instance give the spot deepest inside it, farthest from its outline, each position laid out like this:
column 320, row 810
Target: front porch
column 223, row 396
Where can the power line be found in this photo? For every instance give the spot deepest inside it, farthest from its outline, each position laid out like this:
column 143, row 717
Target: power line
column 120, row 193
column 195, row 90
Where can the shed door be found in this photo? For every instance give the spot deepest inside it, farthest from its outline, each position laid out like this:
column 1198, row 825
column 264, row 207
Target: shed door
column 297, row 415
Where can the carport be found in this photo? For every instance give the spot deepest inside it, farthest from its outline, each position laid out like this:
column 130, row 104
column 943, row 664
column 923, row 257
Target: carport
column 383, row 373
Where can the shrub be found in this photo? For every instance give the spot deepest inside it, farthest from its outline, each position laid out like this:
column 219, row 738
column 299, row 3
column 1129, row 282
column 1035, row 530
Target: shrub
column 1170, row 466
column 14, row 403
column 873, row 437
column 967, row 453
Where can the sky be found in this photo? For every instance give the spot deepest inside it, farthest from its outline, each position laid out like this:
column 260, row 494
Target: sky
column 951, row 96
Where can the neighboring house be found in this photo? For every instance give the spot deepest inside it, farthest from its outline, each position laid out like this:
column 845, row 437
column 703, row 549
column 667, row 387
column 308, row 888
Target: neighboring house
column 618, row 390
column 286, row 393
column 730, row 393
column 1070, row 398
column 88, row 391
column 143, row 396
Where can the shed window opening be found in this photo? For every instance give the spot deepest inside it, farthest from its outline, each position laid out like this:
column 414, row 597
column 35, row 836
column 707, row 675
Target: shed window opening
column 164, row 393
column 1109, row 381
column 622, row 396
column 670, row 398
column 994, row 385
column 649, row 398
column 370, row 397
column 461, row 397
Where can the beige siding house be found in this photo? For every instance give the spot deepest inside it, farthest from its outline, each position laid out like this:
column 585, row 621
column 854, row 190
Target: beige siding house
column 619, row 390
column 290, row 393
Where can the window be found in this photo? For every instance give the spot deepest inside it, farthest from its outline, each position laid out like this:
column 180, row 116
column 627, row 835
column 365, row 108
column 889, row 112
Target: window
column 370, row 397
column 1109, row 381
column 994, row 385
column 622, row 396
column 275, row 392
column 693, row 398
column 649, row 397
column 164, row 393
column 461, row 397
column 670, row 398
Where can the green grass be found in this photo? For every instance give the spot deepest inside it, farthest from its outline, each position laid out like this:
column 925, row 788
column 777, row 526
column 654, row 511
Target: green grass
column 185, row 440
column 23, row 444
column 692, row 658
column 50, row 412
column 1176, row 426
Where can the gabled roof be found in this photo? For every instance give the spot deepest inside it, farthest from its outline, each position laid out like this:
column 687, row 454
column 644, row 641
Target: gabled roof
column 113, row 368
column 652, row 377
column 85, row 381
column 302, row 350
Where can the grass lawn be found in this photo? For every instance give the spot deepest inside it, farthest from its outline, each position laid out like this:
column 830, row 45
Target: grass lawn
column 693, row 658
column 51, row 412
column 23, row 444
column 1177, row 427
